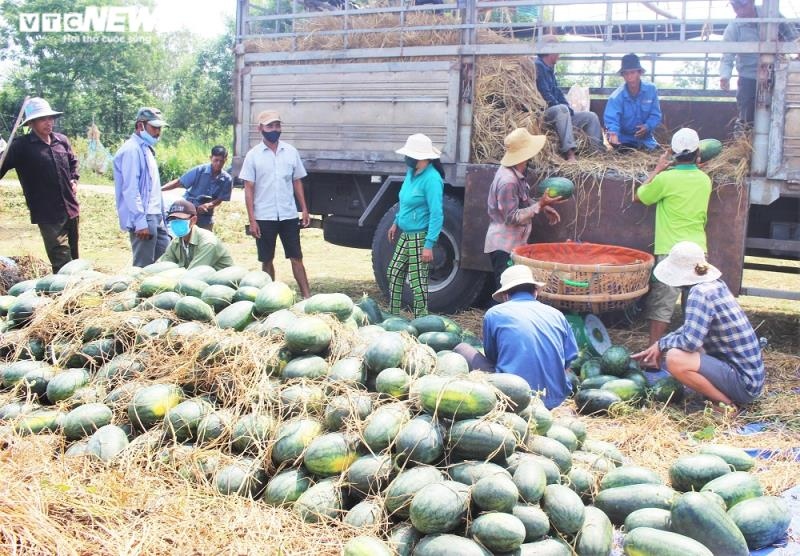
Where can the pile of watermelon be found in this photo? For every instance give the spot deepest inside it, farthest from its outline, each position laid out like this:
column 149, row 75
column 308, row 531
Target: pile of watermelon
column 340, row 412
column 601, row 381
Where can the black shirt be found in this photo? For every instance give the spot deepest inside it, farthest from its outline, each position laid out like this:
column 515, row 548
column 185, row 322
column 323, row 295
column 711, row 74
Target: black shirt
column 45, row 172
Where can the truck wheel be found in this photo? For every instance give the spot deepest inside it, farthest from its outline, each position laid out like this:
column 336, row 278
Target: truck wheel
column 450, row 287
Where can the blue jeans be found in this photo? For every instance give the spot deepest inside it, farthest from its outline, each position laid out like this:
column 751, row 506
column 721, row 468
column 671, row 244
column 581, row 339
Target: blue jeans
column 147, row 251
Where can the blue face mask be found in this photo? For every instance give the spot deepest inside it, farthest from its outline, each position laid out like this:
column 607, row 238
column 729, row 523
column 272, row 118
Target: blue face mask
column 411, row 162
column 179, row 228
column 271, row 136
column 147, row 138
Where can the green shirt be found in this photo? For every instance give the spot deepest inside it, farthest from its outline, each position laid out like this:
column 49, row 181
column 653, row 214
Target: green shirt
column 681, row 197
column 203, row 248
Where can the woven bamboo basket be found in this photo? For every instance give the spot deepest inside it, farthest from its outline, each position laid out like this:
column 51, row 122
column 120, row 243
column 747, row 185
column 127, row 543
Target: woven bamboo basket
column 587, row 277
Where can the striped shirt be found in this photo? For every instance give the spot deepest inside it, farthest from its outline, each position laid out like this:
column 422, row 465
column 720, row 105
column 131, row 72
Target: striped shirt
column 509, row 224
column 715, row 322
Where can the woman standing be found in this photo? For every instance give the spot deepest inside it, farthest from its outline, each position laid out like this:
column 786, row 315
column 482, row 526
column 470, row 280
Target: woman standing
column 419, row 221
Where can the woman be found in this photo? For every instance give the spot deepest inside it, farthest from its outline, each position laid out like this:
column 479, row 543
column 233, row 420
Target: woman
column 510, row 203
column 419, row 221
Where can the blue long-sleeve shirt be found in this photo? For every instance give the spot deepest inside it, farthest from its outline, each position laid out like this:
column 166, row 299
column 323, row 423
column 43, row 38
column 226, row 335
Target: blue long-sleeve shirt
column 547, row 86
column 421, row 204
column 136, row 181
column 624, row 113
column 528, row 338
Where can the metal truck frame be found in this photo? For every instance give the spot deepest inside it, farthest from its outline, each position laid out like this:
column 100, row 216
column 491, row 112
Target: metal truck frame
column 347, row 109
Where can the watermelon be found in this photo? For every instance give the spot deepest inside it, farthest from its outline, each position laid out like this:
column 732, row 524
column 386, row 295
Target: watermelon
column 481, row 439
column 118, row 283
column 439, row 507
column 336, row 304
column 255, row 279
column 251, row 433
column 181, row 421
column 530, row 479
column 244, row 477
column 235, row 316
column 330, row 454
column 655, row 518
column 201, row 272
column 85, row 419
column 556, row 186
column 596, row 537
column 515, row 389
column 591, row 368
column 64, row 384
column 107, row 442
column 564, row 508
column 369, row 474
column 563, row 435
column 593, row 401
column 709, row 148
column 347, row 409
column 100, row 351
column 763, row 521
column 629, row 475
column 393, row 382
column 123, row 367
column 35, row 381
column 667, row 389
column 498, row 532
column 617, row 503
column 457, row 399
column 292, row 438
column 693, row 471
column 246, row 293
column 736, row 457
column 536, row 522
column 495, row 494
column 320, row 502
column 429, row 323
column 274, row 296
column 386, row 351
column 538, row 416
column 150, row 404
column 189, row 285
column 403, row 538
column 440, row 340
column 450, row 363
column 301, row 398
column 21, row 311
column 156, row 284
column 583, row 482
column 605, row 449
column 646, row 540
column 402, row 489
column 551, row 449
column 214, row 425
column 446, row 544
column 419, row 441
column 287, row 486
column 308, row 335
column 229, row 276
column 735, row 487
column 218, row 296
column 398, row 324
column 627, row 390
column 381, row 428
column 152, row 330
column 21, row 287
column 696, row 516
column 365, row 546
column 39, row 420
column 615, row 360
column 165, row 301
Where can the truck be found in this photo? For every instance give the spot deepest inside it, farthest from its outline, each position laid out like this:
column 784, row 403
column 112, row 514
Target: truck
column 352, row 80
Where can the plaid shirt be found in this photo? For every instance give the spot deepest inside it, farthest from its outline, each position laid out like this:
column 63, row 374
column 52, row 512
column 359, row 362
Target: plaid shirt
column 716, row 323
column 509, row 221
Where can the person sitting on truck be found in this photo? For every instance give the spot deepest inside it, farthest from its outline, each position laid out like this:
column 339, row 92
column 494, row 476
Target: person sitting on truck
column 716, row 351
column 525, row 337
column 419, row 220
column 273, row 189
column 633, row 111
column 510, row 203
column 746, row 62
column 192, row 245
column 207, row 185
column 558, row 113
column 681, row 194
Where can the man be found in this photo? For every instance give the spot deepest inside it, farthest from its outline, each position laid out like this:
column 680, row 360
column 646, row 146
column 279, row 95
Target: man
column 525, row 337
column 558, row 114
column 207, row 185
column 715, row 352
column 633, row 111
column 137, row 186
column 680, row 193
column 193, row 246
column 273, row 188
column 47, row 169
column 510, row 203
column 746, row 63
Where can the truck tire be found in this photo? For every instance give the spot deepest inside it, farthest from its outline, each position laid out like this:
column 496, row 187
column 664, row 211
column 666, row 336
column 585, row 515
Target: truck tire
column 450, row 287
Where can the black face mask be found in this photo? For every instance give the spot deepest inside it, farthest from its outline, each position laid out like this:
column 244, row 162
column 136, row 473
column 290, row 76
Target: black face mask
column 411, row 162
column 271, row 136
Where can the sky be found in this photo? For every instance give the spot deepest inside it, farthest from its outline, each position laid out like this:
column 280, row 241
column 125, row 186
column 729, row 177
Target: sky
column 202, row 17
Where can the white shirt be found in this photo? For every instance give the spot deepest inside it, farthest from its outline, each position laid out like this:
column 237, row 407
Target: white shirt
column 273, row 174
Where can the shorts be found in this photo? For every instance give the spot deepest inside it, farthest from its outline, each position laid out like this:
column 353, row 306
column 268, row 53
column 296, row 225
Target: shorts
column 661, row 299
column 289, row 232
column 725, row 379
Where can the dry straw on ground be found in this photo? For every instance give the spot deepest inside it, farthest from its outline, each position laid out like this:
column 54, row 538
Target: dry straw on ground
column 25, row 267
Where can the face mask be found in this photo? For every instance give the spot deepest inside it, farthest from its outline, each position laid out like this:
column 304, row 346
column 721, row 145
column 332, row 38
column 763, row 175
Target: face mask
column 411, row 162
column 178, row 227
column 271, row 136
column 147, row 138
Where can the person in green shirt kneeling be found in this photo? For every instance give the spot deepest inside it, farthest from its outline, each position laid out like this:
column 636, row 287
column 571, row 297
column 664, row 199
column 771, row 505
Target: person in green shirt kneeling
column 680, row 191
column 192, row 246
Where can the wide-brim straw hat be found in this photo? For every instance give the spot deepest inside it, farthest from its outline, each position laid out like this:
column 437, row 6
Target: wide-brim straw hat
column 514, row 276
column 685, row 265
column 419, row 147
column 37, row 107
column 521, row 146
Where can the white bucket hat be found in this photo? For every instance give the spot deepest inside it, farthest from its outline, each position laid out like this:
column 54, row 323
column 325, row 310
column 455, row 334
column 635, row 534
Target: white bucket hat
column 521, row 146
column 419, row 147
column 685, row 265
column 38, row 107
column 513, row 276
column 685, row 141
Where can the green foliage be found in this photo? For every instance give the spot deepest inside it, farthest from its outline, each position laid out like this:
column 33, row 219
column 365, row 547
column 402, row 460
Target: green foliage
column 177, row 156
